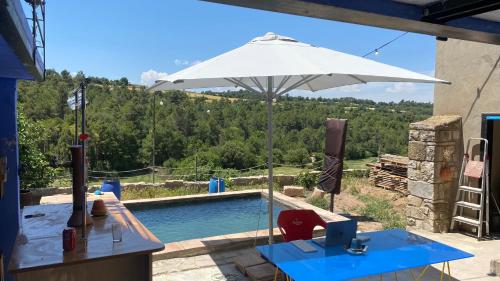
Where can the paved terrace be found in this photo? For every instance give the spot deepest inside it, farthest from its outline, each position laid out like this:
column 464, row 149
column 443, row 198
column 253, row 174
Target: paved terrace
column 220, row 266
column 213, row 258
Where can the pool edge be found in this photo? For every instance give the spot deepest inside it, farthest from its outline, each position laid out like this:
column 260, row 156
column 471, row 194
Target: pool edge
column 220, row 243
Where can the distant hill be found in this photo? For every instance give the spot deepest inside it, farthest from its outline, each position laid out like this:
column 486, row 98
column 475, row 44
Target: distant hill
column 223, row 130
column 210, row 97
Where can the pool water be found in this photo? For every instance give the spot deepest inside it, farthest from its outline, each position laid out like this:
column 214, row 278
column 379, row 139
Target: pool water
column 184, row 221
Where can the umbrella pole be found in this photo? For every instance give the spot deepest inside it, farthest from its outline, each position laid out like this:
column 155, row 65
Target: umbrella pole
column 270, row 95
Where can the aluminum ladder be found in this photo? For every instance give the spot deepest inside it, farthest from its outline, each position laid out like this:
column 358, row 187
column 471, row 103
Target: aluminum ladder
column 468, row 196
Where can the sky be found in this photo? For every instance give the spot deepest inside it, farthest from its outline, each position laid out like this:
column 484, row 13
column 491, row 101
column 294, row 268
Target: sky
column 146, row 40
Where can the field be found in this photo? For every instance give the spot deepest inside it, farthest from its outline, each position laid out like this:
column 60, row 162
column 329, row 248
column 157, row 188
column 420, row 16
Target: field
column 210, row 97
column 65, row 180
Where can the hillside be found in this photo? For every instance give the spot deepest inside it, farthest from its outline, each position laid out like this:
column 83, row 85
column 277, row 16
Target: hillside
column 224, row 130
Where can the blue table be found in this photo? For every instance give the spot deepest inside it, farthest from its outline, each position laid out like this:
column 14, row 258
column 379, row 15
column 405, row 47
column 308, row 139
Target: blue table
column 388, row 251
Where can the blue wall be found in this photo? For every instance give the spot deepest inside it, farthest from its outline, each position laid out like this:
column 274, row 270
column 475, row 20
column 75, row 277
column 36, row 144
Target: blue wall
column 9, row 203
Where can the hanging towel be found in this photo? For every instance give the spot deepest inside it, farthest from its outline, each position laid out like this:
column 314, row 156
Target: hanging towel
column 331, row 176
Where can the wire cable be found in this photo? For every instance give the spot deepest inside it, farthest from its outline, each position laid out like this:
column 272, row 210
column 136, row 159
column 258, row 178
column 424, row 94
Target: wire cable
column 376, row 50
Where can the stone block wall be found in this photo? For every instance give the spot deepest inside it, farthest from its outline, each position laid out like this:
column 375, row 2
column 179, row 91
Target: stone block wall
column 434, row 152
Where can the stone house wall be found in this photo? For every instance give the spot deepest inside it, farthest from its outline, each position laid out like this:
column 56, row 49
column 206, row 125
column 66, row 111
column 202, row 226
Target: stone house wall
column 434, row 152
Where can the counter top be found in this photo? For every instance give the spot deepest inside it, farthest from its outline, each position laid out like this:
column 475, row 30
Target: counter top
column 39, row 242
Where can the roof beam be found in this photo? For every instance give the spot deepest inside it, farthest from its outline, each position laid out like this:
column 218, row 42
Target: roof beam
column 380, row 13
column 444, row 11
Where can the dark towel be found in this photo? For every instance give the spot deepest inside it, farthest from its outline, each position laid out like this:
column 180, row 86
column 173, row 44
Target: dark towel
column 331, row 176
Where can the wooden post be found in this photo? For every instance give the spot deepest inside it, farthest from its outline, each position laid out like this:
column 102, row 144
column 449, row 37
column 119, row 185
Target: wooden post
column 77, row 217
column 332, row 198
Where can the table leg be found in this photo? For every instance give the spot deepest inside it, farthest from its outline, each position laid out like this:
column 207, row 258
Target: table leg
column 449, row 271
column 276, row 274
column 396, row 276
column 412, row 274
column 441, row 276
column 419, row 277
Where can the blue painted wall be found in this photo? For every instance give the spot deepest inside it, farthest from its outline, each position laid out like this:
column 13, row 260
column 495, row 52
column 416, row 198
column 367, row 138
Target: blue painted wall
column 9, row 203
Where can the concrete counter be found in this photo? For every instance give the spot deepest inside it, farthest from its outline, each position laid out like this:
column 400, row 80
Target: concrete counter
column 38, row 253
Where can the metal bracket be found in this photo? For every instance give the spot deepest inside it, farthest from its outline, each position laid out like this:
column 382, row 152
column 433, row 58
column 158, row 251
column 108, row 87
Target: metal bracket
column 38, row 29
column 444, row 11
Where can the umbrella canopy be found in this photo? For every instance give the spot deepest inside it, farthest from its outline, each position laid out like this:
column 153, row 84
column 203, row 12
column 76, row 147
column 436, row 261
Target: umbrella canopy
column 292, row 64
column 273, row 65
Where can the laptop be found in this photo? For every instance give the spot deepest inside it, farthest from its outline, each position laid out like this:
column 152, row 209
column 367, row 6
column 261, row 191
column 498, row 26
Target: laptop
column 338, row 233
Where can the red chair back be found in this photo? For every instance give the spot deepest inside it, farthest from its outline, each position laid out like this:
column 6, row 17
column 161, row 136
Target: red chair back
column 298, row 224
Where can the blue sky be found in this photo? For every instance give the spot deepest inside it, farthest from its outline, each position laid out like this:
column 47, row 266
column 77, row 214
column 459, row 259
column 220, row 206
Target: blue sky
column 144, row 40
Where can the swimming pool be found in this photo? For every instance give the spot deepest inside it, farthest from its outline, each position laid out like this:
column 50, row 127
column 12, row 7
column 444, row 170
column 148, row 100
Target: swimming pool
column 184, row 221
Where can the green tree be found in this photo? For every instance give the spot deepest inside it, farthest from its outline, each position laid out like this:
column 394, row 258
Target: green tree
column 35, row 171
column 298, row 156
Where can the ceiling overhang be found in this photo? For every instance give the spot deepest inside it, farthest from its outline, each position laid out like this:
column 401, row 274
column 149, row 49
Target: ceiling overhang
column 16, row 44
column 474, row 20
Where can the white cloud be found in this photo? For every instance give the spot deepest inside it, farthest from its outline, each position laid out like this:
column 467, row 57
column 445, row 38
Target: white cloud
column 181, row 62
column 401, row 88
column 350, row 89
column 195, row 62
column 376, row 92
column 149, row 77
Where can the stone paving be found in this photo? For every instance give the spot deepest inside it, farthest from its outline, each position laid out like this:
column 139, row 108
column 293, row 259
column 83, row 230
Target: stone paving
column 211, row 267
column 220, row 267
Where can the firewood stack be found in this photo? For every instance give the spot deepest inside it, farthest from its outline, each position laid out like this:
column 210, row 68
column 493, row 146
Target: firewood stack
column 391, row 173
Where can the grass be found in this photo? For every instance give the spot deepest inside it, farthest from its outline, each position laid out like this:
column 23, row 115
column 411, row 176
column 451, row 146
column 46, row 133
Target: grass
column 210, row 97
column 360, row 163
column 378, row 209
column 319, row 202
column 381, row 210
column 159, row 192
column 65, row 180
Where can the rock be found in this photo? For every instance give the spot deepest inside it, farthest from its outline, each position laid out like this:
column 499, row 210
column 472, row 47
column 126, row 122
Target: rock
column 283, row 180
column 317, row 193
column 173, row 183
column 243, row 262
column 421, row 189
column 263, row 272
column 249, row 180
column 293, row 191
column 417, row 150
column 414, row 201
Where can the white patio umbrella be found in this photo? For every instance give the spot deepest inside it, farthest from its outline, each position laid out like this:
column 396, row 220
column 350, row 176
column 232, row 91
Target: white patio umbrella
column 273, row 65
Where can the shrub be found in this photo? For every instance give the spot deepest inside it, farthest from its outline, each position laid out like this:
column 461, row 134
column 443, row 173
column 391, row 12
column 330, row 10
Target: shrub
column 307, row 180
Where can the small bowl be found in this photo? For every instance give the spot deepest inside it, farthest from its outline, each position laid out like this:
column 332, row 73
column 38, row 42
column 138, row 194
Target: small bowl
column 99, row 208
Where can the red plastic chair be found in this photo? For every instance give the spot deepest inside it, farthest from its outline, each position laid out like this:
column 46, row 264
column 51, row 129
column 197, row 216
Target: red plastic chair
column 298, row 224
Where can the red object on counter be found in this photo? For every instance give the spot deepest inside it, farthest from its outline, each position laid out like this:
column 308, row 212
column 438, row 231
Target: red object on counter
column 69, row 239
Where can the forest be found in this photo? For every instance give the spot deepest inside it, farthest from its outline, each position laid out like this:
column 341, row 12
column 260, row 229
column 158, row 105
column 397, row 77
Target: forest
column 221, row 130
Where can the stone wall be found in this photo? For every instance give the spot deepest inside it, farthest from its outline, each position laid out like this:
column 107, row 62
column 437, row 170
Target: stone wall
column 281, row 180
column 434, row 153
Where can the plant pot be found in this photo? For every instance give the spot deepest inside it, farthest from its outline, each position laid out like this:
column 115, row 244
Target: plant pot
column 25, row 198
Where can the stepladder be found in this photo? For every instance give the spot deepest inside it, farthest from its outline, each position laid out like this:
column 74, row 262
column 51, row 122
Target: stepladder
column 471, row 205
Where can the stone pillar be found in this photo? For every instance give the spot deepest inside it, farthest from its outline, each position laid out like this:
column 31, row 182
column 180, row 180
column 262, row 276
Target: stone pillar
column 434, row 153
